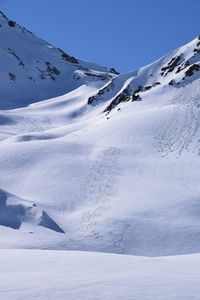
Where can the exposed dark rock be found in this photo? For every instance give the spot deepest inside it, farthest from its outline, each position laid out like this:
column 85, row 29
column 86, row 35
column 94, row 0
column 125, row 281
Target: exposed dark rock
column 192, row 69
column 124, row 96
column 68, row 57
column 12, row 76
column 100, row 76
column 148, row 87
column 183, row 66
column 196, row 50
column 11, row 23
column 104, row 90
column 114, row 71
column 142, row 88
column 24, row 30
column 91, row 99
column 49, row 72
column 139, row 89
column 51, row 69
column 172, row 64
column 136, row 97
column 42, row 73
column 156, row 83
column 198, row 43
column 171, row 82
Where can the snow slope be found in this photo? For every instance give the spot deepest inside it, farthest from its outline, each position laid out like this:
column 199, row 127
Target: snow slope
column 83, row 276
column 113, row 162
column 33, row 70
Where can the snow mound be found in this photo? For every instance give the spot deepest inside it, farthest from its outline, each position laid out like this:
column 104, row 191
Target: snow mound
column 15, row 211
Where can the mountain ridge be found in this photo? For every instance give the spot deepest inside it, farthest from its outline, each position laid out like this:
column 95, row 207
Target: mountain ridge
column 35, row 70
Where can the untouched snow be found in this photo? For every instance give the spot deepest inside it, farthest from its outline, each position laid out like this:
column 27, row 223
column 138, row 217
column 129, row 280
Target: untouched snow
column 41, row 275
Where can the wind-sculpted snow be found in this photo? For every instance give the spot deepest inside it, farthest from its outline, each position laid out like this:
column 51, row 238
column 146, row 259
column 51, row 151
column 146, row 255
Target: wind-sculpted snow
column 110, row 165
column 48, row 275
column 14, row 212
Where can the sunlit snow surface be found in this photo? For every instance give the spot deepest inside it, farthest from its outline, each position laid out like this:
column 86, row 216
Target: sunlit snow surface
column 127, row 184
column 50, row 275
column 111, row 165
column 95, row 161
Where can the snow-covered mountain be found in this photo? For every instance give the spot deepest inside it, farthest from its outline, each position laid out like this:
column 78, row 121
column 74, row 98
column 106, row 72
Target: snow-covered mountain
column 95, row 160
column 33, row 70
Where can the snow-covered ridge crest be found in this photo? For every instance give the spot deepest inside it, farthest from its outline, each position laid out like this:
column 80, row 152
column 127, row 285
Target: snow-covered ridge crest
column 34, row 70
column 14, row 212
column 175, row 69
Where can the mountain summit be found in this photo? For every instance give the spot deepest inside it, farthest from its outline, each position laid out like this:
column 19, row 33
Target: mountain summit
column 34, row 70
column 95, row 160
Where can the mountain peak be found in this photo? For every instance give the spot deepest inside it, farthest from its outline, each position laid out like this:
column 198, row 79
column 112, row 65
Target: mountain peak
column 34, row 70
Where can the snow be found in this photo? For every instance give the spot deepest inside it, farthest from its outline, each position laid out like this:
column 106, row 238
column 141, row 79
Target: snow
column 95, row 161
column 121, row 181
column 32, row 70
column 125, row 181
column 41, row 275
column 89, row 175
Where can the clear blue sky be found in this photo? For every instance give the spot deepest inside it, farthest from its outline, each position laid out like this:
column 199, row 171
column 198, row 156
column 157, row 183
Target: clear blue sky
column 124, row 34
